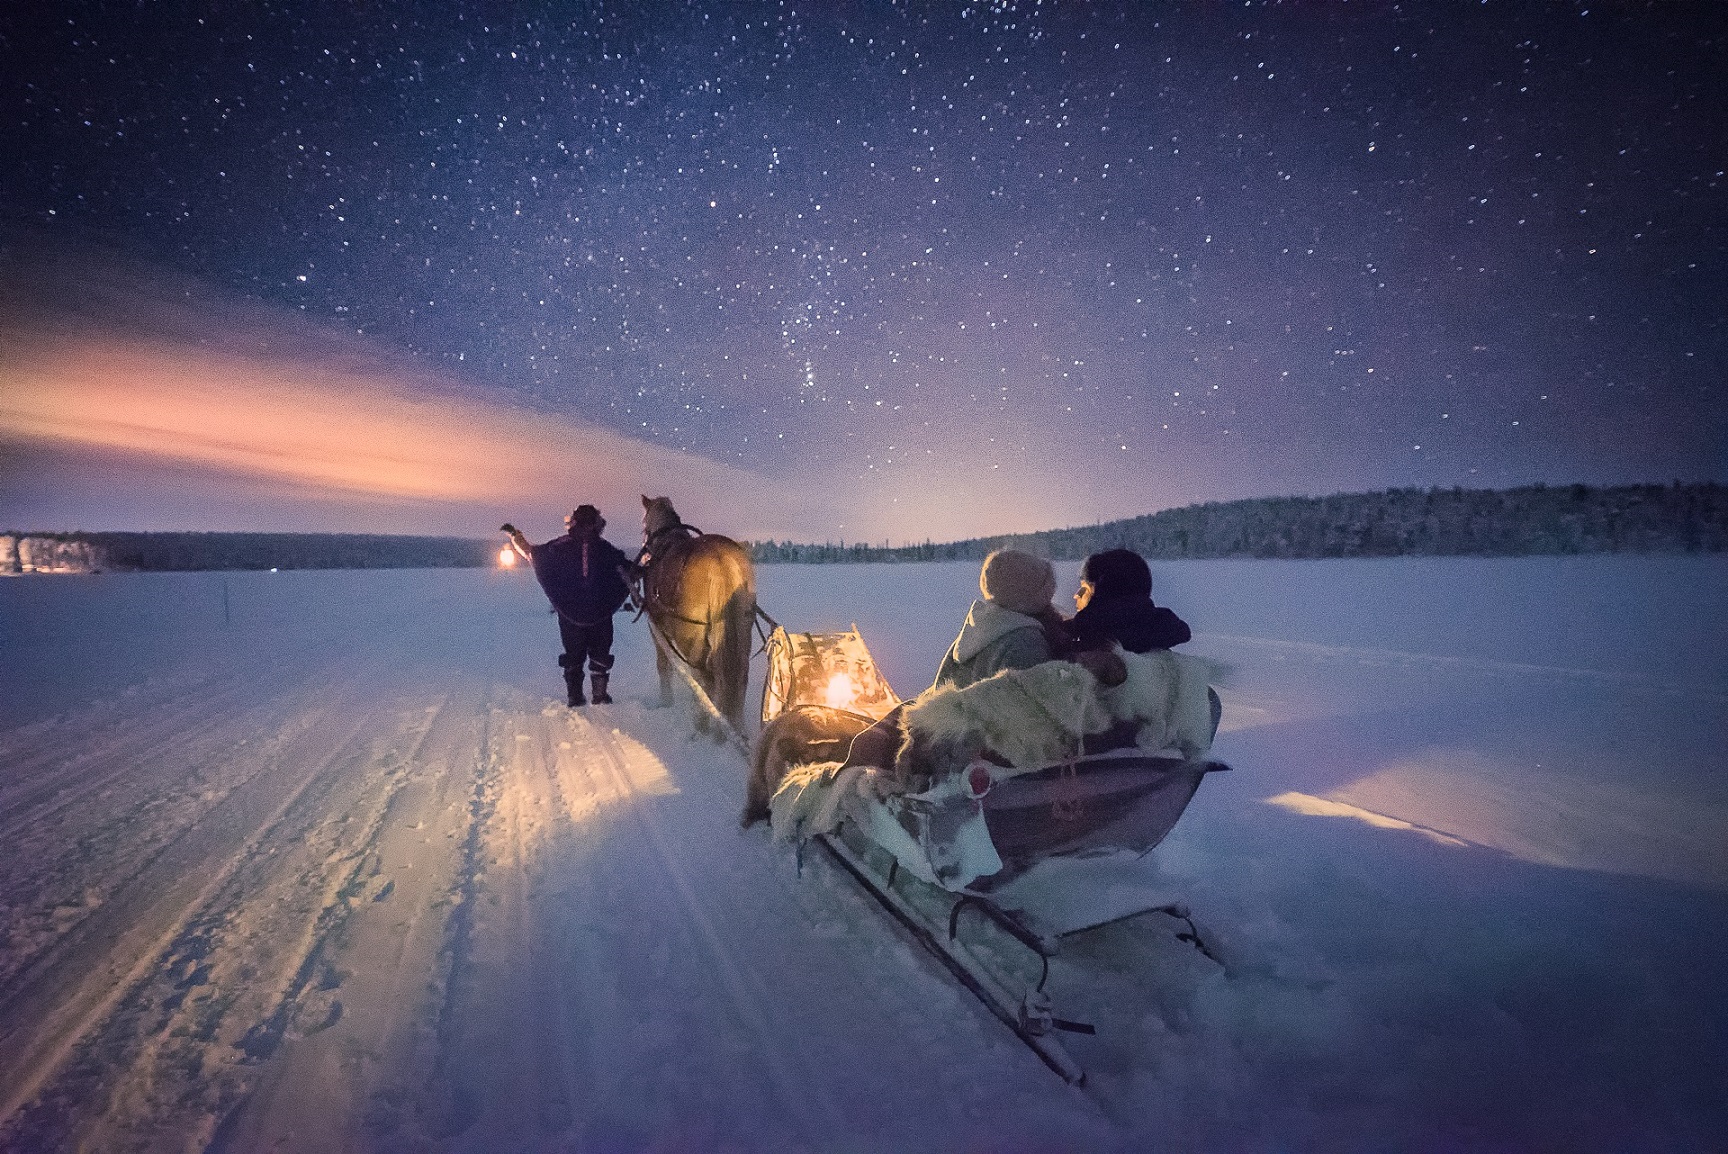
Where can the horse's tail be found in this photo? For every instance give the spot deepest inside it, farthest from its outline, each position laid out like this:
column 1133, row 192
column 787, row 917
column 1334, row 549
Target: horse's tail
column 731, row 641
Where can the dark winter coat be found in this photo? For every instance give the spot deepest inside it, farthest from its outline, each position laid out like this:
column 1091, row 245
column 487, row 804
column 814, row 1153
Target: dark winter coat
column 580, row 573
column 1135, row 623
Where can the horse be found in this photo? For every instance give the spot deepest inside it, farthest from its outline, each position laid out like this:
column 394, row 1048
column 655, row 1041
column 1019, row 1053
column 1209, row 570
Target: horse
column 699, row 591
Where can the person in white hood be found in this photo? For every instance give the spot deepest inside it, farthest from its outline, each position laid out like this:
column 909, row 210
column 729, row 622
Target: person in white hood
column 1014, row 626
column 1011, row 627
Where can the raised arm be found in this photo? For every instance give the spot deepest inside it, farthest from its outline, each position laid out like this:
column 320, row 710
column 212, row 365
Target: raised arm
column 517, row 541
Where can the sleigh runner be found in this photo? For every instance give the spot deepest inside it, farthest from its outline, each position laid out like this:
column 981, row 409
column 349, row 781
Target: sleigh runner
column 1033, row 828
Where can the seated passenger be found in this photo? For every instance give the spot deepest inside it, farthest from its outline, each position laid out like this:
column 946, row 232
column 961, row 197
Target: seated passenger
column 1012, row 627
column 1115, row 605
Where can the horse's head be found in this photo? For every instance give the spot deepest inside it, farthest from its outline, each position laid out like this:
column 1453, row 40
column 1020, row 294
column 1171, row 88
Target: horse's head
column 657, row 515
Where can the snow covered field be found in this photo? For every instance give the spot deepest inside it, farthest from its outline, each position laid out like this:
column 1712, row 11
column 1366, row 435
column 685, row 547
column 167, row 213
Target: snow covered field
column 317, row 861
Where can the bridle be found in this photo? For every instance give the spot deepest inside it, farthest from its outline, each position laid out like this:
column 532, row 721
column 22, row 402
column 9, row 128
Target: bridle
column 645, row 555
column 645, row 558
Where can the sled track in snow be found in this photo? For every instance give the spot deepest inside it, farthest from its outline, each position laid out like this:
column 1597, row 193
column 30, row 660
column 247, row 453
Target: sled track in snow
column 47, row 779
column 149, row 950
column 69, row 859
column 143, row 923
column 816, row 1113
column 458, row 938
column 366, row 1032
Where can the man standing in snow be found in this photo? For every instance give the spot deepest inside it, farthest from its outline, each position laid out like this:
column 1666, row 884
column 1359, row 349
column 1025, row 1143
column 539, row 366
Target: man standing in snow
column 586, row 578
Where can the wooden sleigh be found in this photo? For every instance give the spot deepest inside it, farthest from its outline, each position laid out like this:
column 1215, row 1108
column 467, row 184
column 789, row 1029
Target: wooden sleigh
column 1039, row 853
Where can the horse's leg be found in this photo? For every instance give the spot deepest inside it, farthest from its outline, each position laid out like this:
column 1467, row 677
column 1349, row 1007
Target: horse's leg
column 704, row 723
column 664, row 668
column 700, row 604
column 704, row 671
column 699, row 714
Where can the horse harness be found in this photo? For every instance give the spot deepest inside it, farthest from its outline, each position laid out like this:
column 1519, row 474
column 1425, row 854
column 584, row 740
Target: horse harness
column 645, row 558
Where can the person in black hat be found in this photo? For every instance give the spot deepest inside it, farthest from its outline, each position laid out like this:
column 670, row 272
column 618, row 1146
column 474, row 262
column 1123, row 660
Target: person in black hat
column 586, row 578
column 1115, row 604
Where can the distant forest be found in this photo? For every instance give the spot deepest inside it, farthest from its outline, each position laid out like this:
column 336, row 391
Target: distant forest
column 169, row 552
column 1537, row 519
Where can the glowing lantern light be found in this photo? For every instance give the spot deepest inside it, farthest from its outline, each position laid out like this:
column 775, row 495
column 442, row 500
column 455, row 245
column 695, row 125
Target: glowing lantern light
column 834, row 670
column 841, row 693
column 507, row 558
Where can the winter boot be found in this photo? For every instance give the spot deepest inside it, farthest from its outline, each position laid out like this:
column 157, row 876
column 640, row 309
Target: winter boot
column 573, row 684
column 601, row 697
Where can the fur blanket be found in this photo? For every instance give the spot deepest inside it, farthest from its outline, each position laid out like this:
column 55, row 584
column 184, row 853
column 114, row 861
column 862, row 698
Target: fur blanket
column 803, row 734
column 811, row 799
column 1167, row 693
column 1032, row 717
column 1027, row 717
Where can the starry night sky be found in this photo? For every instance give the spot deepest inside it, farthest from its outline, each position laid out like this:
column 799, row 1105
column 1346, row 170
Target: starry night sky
column 931, row 269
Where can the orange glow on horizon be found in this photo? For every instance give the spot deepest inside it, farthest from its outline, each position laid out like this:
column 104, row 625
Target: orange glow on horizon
column 326, row 428
column 359, row 434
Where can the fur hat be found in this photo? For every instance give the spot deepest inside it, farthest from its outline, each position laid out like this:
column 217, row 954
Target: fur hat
column 1017, row 581
column 587, row 516
column 1117, row 573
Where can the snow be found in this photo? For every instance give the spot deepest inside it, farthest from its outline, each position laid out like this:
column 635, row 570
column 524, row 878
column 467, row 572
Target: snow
column 309, row 861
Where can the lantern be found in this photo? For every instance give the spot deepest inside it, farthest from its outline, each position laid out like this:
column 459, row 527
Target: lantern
column 834, row 670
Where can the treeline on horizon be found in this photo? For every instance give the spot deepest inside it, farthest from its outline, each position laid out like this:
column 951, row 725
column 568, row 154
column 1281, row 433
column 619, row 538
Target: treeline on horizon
column 1533, row 520
column 1528, row 521
column 80, row 552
